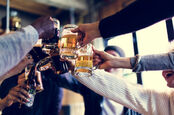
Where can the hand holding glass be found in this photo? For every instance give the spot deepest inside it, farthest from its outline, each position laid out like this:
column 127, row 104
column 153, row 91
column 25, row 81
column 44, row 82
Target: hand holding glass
column 68, row 42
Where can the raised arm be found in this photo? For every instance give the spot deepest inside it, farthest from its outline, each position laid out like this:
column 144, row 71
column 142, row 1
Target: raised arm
column 137, row 63
column 15, row 46
column 133, row 96
column 138, row 15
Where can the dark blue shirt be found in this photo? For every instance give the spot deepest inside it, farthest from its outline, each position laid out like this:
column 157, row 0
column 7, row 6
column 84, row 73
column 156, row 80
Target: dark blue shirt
column 47, row 102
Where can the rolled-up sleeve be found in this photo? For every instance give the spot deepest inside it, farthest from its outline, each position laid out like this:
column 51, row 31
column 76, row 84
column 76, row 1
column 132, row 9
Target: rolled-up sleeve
column 154, row 62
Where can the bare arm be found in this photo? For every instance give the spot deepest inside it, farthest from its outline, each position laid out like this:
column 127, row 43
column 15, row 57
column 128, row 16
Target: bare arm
column 106, row 60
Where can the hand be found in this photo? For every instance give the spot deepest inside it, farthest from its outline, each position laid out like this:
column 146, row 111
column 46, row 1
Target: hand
column 106, row 61
column 103, row 59
column 45, row 27
column 39, row 85
column 71, row 65
column 16, row 94
column 87, row 32
column 67, row 65
column 22, row 79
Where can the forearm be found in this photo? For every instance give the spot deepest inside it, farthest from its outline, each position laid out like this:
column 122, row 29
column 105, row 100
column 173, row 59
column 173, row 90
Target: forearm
column 121, row 63
column 146, row 63
column 138, row 15
column 5, row 76
column 15, row 46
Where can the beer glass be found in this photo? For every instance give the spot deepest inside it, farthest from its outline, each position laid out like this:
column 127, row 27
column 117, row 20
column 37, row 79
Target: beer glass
column 34, row 82
column 55, row 63
column 84, row 61
column 31, row 84
column 68, row 42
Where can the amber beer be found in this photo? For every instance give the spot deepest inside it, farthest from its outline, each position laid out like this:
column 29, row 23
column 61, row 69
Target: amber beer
column 84, row 64
column 68, row 42
column 68, row 46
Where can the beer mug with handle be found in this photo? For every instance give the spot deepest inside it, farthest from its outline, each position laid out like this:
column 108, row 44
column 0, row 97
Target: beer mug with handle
column 68, row 42
column 84, row 62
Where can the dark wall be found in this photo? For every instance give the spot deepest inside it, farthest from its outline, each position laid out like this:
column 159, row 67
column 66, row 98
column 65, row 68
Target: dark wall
column 26, row 18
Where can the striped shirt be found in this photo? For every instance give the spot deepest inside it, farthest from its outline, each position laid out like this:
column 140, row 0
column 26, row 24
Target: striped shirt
column 136, row 97
column 14, row 46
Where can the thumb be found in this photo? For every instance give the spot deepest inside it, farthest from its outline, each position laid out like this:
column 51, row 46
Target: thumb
column 9, row 103
column 97, row 52
column 75, row 30
column 104, row 65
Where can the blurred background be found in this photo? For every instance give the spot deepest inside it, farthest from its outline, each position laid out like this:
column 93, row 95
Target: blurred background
column 85, row 11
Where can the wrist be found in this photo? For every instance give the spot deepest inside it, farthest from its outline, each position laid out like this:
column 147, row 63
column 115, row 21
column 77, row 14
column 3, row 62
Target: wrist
column 96, row 26
column 122, row 63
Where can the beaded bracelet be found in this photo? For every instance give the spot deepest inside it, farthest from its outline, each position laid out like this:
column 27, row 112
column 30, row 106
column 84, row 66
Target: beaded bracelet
column 137, row 60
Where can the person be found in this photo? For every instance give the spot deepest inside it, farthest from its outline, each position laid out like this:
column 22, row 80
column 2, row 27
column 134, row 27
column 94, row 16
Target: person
column 134, row 96
column 49, row 101
column 16, row 45
column 168, row 76
column 16, row 94
column 117, row 52
column 136, row 16
column 141, row 13
column 137, row 64
column 94, row 104
column 141, row 99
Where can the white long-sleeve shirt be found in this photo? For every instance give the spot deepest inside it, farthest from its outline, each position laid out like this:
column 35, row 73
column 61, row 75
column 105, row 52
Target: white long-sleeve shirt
column 14, row 46
column 110, row 107
column 134, row 96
